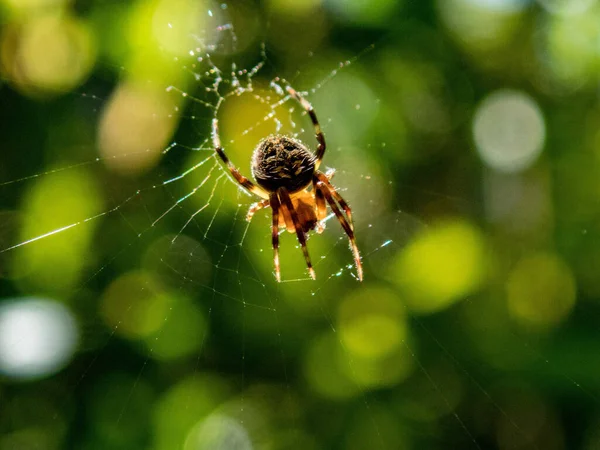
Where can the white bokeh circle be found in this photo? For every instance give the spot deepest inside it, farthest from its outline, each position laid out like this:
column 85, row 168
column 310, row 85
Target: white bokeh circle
column 509, row 131
column 37, row 337
column 566, row 7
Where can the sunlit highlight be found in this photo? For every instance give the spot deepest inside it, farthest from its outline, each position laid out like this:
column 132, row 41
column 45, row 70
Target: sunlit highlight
column 135, row 305
column 354, row 105
column 567, row 7
column 501, row 5
column 52, row 208
column 219, row 432
column 48, row 53
column 30, row 7
column 182, row 332
column 180, row 26
column 569, row 49
column 159, row 25
column 323, row 369
column 540, row 290
column 372, row 323
column 37, row 337
column 441, row 266
column 509, row 131
column 480, row 26
column 135, row 127
column 181, row 407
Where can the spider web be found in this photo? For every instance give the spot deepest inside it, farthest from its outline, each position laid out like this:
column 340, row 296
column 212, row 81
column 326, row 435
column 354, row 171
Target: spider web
column 180, row 228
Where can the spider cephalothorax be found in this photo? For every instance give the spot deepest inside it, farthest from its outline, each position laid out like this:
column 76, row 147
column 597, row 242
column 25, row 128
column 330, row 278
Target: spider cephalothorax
column 290, row 183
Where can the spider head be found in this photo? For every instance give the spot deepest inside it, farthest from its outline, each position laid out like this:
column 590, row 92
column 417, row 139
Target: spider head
column 281, row 161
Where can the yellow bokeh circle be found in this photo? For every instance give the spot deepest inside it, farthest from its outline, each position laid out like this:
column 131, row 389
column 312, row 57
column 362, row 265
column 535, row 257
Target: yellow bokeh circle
column 371, row 323
column 48, row 54
column 441, row 266
column 540, row 290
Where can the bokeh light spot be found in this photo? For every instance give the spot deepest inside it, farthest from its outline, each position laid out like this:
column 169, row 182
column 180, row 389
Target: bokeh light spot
column 37, row 337
column 569, row 49
column 481, row 26
column 218, row 432
column 509, row 131
column 371, row 323
column 135, row 305
column 135, row 127
column 442, row 265
column 55, row 263
column 372, row 373
column 373, row 338
column 182, row 406
column 541, row 290
column 48, row 53
column 351, row 123
column 323, row 372
column 175, row 25
column 566, row 7
column 501, row 5
column 181, row 334
column 242, row 125
column 338, row 372
column 25, row 7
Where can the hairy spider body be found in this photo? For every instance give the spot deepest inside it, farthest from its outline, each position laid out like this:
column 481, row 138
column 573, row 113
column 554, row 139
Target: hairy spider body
column 282, row 162
column 288, row 181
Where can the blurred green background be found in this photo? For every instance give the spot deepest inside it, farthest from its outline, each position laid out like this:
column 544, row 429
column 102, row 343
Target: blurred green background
column 465, row 134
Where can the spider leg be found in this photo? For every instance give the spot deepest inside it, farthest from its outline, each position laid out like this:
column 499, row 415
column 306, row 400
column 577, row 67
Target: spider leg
column 274, row 201
column 256, row 207
column 325, row 179
column 287, row 202
column 241, row 179
column 313, row 117
column 327, row 192
column 321, row 207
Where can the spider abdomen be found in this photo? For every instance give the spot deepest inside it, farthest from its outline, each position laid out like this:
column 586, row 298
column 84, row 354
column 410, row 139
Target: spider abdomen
column 282, row 162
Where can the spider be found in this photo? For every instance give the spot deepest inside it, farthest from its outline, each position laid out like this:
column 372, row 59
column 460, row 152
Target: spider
column 289, row 182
